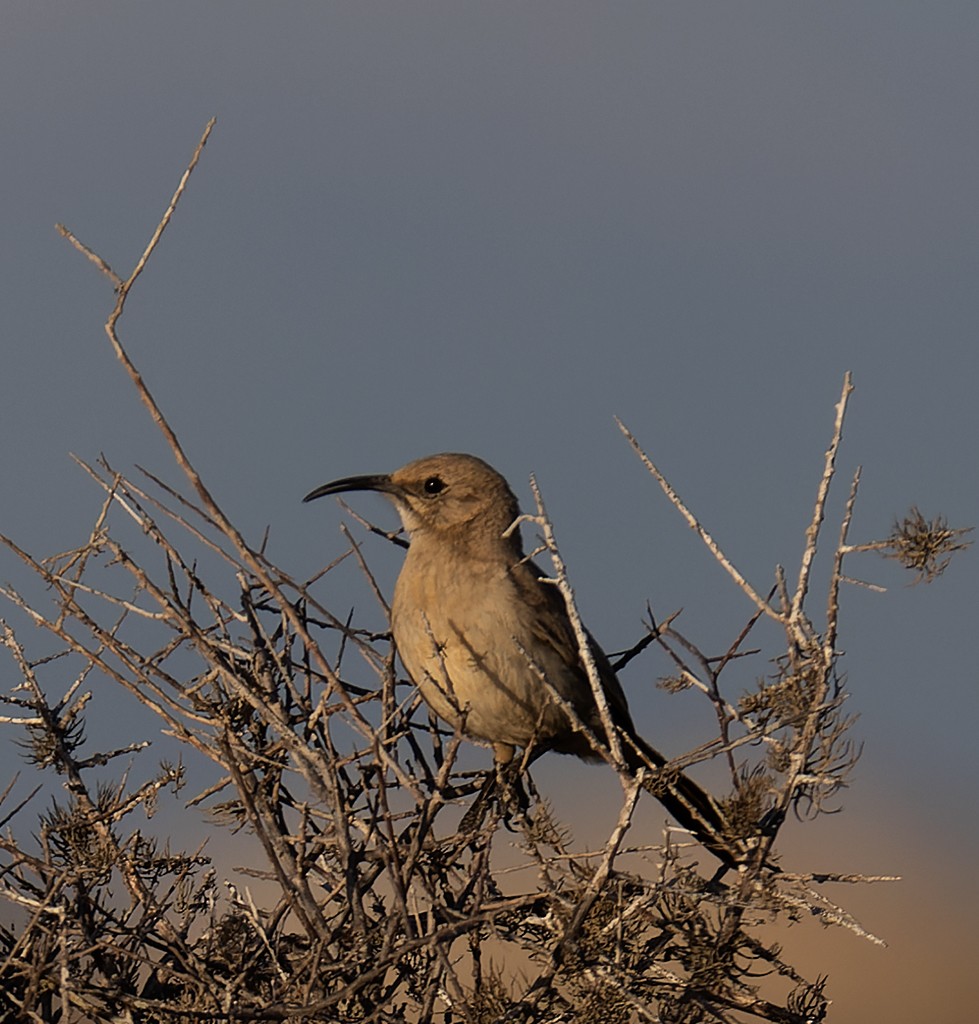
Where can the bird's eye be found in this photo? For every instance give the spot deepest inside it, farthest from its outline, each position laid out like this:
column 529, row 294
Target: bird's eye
column 434, row 485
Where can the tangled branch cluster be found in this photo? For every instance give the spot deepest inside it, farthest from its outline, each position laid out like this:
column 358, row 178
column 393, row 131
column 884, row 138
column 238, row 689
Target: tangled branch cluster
column 367, row 892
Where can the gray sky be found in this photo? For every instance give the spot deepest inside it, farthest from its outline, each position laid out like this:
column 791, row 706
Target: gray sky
column 490, row 227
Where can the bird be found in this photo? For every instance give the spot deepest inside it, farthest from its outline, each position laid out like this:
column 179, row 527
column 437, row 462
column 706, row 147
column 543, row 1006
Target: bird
column 489, row 642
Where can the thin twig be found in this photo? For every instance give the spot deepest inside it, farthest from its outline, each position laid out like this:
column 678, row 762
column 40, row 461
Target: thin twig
column 695, row 525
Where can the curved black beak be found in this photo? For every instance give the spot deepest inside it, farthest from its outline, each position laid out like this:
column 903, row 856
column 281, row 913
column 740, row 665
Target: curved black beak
column 378, row 482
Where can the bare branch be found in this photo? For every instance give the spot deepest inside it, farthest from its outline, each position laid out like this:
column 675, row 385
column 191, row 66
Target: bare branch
column 695, row 524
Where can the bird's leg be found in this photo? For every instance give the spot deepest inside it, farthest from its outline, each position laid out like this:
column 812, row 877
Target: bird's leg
column 502, row 783
column 514, row 801
column 503, row 755
column 495, row 781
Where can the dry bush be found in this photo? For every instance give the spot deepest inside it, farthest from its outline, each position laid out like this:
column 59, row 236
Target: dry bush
column 380, row 899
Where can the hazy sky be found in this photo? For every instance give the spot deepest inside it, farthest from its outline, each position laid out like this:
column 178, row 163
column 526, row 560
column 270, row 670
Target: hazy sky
column 491, row 227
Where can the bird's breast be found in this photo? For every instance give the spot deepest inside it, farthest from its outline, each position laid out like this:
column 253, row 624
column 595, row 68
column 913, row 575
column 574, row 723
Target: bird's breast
column 467, row 640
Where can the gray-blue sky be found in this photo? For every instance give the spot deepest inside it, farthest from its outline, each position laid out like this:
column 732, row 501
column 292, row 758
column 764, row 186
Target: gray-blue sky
column 490, row 227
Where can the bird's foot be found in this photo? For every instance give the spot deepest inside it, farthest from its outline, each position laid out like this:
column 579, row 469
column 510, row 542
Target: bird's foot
column 504, row 787
column 514, row 802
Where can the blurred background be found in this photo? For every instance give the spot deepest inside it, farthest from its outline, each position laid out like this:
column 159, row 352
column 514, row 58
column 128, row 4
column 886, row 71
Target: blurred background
column 491, row 227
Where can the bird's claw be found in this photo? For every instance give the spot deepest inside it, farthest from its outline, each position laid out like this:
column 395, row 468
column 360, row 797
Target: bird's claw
column 504, row 786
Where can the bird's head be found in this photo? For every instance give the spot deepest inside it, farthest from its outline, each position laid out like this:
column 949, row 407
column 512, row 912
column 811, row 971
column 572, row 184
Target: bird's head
column 448, row 495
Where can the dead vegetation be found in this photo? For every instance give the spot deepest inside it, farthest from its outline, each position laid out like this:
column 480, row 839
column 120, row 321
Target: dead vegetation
column 378, row 899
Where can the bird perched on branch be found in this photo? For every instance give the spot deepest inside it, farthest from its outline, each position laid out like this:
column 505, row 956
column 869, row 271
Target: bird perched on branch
column 491, row 646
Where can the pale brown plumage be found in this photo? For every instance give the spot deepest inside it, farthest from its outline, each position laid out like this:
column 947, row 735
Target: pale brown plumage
column 477, row 629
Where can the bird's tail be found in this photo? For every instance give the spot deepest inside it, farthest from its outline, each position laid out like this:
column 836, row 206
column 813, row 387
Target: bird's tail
column 691, row 805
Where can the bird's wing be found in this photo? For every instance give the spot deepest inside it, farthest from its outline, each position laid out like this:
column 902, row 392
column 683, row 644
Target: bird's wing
column 551, row 625
column 691, row 805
